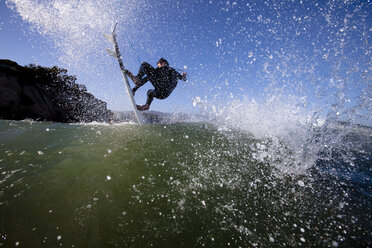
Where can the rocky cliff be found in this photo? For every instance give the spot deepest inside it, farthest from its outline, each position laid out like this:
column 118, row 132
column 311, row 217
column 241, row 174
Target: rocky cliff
column 46, row 94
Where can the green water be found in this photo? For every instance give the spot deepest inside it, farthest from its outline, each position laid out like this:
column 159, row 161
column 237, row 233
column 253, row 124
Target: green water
column 174, row 185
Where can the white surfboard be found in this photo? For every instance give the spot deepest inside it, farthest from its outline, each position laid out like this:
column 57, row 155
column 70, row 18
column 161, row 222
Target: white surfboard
column 116, row 54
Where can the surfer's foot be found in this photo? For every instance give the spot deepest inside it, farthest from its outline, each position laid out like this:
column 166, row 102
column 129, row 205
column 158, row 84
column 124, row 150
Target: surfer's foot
column 135, row 79
column 143, row 107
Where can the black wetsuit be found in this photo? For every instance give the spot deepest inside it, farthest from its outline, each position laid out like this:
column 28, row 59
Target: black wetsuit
column 164, row 79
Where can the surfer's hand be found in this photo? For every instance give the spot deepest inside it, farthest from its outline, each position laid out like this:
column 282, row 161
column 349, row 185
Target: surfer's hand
column 184, row 76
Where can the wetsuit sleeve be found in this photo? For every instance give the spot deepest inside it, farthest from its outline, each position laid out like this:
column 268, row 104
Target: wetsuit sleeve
column 180, row 77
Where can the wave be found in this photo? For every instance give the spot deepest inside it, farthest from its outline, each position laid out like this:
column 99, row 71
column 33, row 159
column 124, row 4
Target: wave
column 290, row 137
column 199, row 183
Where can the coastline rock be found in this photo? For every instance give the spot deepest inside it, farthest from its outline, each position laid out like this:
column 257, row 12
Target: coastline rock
column 46, row 94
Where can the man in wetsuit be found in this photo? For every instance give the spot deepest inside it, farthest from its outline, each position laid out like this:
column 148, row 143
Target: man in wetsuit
column 164, row 79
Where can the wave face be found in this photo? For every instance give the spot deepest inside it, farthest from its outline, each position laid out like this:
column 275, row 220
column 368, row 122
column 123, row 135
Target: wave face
column 175, row 184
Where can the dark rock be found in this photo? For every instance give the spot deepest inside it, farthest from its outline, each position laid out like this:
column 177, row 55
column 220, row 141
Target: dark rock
column 46, row 94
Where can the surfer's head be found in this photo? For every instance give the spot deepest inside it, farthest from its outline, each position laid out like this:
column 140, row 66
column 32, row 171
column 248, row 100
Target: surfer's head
column 162, row 62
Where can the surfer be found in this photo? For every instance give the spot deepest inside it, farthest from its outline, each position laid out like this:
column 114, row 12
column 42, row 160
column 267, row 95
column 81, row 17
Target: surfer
column 164, row 79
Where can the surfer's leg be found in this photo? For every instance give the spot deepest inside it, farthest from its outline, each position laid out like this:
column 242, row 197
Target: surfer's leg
column 154, row 93
column 143, row 107
column 141, row 79
column 145, row 69
column 150, row 97
column 135, row 79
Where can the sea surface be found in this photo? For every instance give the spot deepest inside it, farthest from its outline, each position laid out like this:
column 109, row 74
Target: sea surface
column 277, row 157
column 181, row 184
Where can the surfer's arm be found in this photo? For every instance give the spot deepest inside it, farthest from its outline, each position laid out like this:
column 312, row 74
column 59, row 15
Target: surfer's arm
column 182, row 76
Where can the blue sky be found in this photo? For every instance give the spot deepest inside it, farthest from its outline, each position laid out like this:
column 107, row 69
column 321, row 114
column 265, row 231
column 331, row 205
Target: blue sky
column 232, row 50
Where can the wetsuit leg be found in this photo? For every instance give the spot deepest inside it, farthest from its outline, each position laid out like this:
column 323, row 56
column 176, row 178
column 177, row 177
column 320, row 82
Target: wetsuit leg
column 146, row 72
column 155, row 93
column 150, row 96
column 145, row 69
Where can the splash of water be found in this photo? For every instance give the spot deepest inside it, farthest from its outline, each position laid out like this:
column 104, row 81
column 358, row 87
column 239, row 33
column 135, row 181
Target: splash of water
column 317, row 87
column 75, row 27
column 290, row 137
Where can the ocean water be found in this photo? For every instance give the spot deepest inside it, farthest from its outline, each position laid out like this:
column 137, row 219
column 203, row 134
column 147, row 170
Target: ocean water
column 276, row 156
column 195, row 184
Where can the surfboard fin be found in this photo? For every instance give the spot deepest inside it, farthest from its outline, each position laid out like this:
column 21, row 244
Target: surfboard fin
column 109, row 38
column 111, row 53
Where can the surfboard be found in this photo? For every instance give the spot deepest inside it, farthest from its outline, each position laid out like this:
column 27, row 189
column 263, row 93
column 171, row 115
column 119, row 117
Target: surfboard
column 116, row 54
